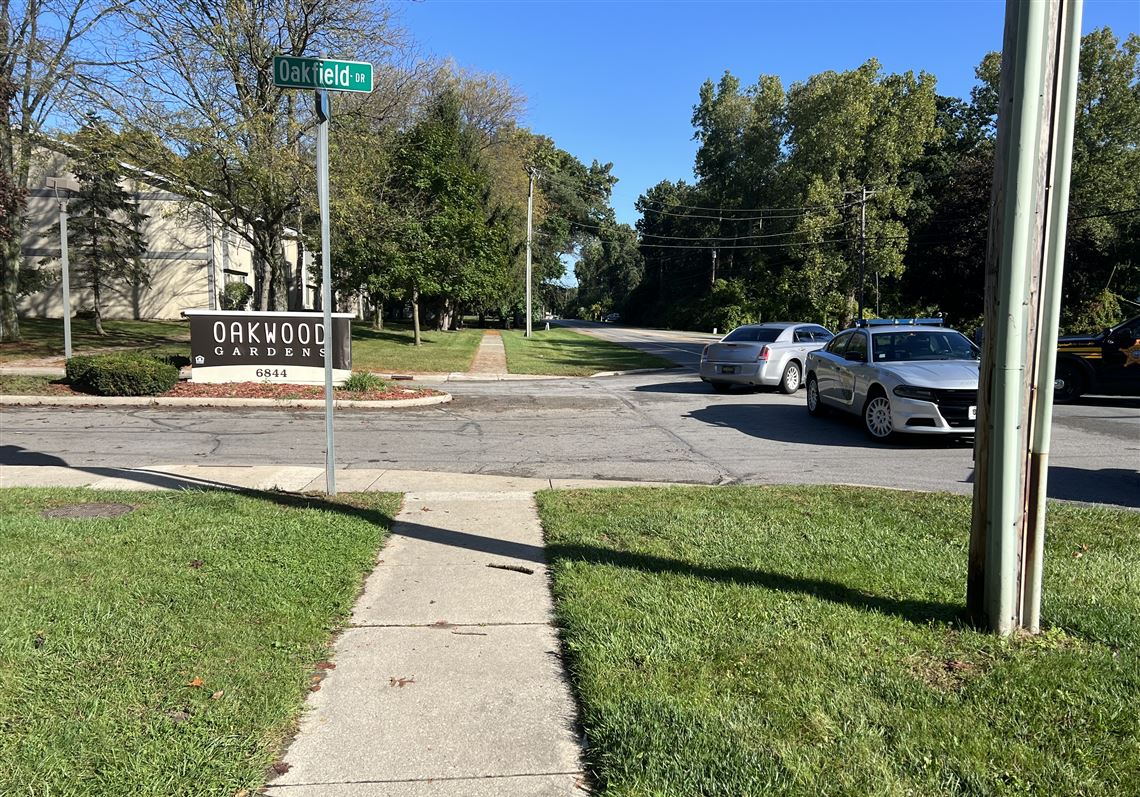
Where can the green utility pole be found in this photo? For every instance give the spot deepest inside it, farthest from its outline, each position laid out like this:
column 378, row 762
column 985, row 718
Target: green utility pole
column 1024, row 263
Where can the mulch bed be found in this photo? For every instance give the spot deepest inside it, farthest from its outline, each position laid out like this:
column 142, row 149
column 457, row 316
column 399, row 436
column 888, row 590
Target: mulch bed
column 275, row 391
column 260, row 390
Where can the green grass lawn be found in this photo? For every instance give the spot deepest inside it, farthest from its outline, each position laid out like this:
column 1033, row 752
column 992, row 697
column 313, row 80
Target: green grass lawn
column 20, row 385
column 807, row 641
column 391, row 349
column 168, row 652
column 387, row 350
column 43, row 337
column 569, row 353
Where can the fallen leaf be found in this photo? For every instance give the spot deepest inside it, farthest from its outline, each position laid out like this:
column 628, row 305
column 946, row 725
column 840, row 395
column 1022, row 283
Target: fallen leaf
column 39, row 643
column 196, row 563
column 401, row 682
column 241, row 793
column 325, row 665
column 218, row 695
column 315, row 688
column 197, row 682
column 442, row 624
column 281, row 767
column 425, row 509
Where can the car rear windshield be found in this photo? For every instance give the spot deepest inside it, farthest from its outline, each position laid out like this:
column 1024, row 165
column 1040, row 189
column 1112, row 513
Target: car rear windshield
column 752, row 335
column 922, row 345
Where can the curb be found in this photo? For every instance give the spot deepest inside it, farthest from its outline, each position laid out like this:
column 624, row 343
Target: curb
column 635, row 371
column 159, row 401
column 455, row 376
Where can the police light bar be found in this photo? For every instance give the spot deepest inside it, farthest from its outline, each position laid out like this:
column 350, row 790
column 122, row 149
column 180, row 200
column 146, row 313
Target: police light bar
column 898, row 322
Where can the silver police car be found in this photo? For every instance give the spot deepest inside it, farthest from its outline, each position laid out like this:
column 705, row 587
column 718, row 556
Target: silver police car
column 900, row 376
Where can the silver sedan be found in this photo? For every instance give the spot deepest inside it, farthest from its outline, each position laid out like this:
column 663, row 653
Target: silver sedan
column 771, row 354
column 911, row 378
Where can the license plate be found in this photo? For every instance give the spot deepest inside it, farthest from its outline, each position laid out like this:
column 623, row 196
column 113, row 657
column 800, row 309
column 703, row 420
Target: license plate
column 728, row 369
column 972, row 414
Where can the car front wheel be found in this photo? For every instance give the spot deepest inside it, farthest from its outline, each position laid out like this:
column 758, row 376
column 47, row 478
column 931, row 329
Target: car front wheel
column 877, row 417
column 790, row 381
column 814, row 405
column 1069, row 383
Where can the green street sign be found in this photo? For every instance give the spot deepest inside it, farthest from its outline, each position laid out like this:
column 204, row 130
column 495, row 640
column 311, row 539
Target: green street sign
column 321, row 73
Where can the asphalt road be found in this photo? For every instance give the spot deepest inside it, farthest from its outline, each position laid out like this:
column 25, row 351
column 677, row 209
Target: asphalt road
column 665, row 426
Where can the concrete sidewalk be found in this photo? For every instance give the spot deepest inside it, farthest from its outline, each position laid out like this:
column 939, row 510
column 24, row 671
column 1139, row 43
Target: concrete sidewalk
column 448, row 680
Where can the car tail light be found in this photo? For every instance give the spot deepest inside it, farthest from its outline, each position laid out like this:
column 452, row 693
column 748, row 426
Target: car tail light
column 763, row 355
column 704, row 352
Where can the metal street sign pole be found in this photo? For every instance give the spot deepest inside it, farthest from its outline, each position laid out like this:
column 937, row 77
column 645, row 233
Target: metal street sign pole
column 326, row 282
column 529, row 215
column 324, row 75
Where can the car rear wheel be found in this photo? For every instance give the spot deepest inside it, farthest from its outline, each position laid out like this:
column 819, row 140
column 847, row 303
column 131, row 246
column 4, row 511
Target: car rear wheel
column 790, row 381
column 721, row 387
column 877, row 417
column 814, row 405
column 1069, row 383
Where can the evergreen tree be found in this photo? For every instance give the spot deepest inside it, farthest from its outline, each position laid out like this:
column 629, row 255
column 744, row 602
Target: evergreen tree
column 106, row 224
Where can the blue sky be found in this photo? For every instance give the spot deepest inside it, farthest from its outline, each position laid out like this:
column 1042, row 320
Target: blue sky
column 616, row 81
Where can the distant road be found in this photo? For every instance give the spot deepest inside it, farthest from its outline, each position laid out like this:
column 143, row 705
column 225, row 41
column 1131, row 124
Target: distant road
column 664, row 426
column 682, row 348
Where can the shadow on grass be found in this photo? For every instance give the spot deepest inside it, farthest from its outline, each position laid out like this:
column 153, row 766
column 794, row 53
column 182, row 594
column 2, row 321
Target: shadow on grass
column 920, row 612
column 584, row 352
column 17, row 455
column 398, row 337
column 915, row 611
column 44, row 336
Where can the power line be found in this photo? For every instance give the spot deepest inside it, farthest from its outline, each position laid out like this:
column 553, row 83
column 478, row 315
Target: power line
column 1109, row 213
column 742, row 210
column 766, row 217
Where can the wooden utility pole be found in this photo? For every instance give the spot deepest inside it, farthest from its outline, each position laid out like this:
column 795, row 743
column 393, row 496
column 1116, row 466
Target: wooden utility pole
column 1024, row 259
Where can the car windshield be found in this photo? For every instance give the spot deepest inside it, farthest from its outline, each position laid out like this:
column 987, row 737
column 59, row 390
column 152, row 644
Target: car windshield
column 943, row 344
column 753, row 335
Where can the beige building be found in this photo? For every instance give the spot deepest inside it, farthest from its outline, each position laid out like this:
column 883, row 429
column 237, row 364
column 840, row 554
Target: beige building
column 190, row 255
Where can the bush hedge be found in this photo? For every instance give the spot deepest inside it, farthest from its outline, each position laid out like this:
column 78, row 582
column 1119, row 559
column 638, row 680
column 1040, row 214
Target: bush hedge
column 125, row 374
column 363, row 382
column 236, row 295
column 77, row 367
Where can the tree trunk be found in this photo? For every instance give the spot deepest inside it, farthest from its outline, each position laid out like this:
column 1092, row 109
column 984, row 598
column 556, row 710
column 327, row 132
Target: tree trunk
column 416, row 315
column 378, row 314
column 9, row 280
column 15, row 169
column 270, row 269
column 96, row 298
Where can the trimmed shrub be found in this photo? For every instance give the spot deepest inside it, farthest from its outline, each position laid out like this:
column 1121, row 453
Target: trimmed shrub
column 363, row 382
column 236, row 295
column 126, row 374
column 179, row 361
column 76, row 369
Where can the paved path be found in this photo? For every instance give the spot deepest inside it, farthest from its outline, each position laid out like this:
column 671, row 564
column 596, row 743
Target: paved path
column 491, row 358
column 448, row 680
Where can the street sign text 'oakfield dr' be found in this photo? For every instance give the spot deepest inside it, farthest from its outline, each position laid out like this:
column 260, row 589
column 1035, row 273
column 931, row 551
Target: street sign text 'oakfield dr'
column 321, row 73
